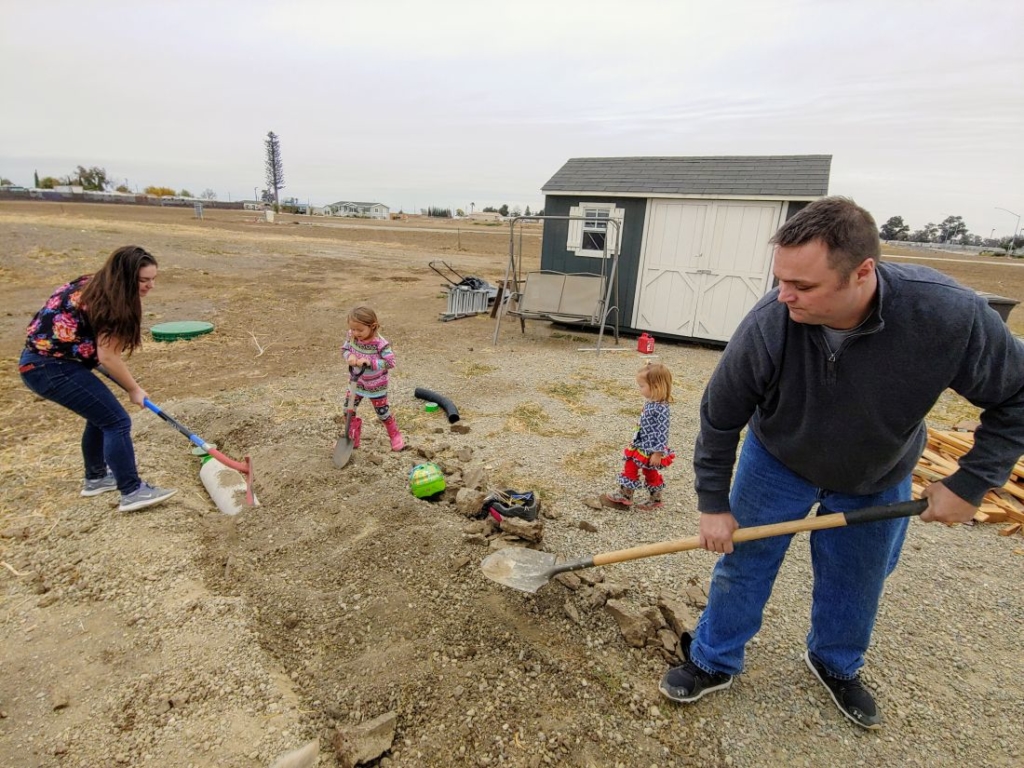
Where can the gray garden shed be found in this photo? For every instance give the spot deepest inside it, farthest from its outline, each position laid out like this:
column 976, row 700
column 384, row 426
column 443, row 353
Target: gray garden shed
column 693, row 253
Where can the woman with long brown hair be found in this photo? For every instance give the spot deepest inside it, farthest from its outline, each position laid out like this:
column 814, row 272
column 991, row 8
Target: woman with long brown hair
column 88, row 322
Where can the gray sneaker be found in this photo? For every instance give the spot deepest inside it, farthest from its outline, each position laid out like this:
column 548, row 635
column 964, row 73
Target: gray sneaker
column 99, row 485
column 145, row 496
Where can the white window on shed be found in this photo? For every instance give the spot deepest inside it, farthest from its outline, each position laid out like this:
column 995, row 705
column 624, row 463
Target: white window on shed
column 590, row 235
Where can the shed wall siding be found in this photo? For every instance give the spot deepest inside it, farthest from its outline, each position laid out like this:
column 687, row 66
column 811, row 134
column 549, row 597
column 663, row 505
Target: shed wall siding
column 556, row 257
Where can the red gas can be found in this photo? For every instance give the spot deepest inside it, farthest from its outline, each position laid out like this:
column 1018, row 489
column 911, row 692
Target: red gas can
column 645, row 344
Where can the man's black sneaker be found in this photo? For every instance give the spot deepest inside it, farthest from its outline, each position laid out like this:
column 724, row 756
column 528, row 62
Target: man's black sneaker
column 850, row 696
column 689, row 682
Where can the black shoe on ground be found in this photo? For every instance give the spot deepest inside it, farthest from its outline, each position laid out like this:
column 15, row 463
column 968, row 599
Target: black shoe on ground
column 688, row 682
column 850, row 696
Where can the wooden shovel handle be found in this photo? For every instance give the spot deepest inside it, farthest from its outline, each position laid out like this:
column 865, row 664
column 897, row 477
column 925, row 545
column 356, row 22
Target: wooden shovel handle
column 817, row 523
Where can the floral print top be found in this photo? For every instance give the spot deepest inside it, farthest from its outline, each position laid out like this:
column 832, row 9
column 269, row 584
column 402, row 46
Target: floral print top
column 61, row 328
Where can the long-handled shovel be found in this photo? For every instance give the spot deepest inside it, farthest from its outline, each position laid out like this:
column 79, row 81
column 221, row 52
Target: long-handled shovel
column 529, row 570
column 244, row 467
column 347, row 442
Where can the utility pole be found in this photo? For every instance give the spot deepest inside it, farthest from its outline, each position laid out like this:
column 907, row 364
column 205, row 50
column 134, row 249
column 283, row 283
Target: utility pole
column 1013, row 242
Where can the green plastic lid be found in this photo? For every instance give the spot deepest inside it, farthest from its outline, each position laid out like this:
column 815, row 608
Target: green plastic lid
column 182, row 329
column 431, row 407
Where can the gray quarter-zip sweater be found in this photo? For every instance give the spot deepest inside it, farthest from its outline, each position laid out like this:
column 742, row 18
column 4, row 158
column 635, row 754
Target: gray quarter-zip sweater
column 852, row 421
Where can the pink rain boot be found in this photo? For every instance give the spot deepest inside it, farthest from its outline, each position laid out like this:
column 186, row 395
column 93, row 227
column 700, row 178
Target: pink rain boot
column 397, row 441
column 355, row 428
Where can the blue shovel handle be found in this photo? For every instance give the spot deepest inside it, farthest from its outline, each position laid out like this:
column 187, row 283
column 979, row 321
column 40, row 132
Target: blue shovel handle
column 176, row 424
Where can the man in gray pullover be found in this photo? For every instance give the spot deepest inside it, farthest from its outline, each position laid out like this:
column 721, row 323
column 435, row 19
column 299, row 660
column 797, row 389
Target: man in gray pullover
column 833, row 372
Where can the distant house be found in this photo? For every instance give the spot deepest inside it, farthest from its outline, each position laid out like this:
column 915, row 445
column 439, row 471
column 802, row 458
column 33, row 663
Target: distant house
column 352, row 208
column 484, row 216
column 253, row 205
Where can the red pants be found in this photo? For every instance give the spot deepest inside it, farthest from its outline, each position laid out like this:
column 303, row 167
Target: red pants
column 637, row 462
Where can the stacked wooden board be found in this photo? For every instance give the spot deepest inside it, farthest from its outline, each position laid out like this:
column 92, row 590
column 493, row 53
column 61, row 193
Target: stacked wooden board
column 1002, row 505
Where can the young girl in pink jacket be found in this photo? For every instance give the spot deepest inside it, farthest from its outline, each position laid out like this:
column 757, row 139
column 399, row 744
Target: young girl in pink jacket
column 366, row 349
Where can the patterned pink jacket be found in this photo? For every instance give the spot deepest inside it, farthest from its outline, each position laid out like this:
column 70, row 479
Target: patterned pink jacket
column 373, row 382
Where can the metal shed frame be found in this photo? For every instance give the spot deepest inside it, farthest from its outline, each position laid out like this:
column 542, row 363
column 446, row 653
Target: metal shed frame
column 512, row 289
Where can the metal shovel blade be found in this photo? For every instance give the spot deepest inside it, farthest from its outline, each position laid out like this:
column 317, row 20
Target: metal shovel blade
column 524, row 569
column 343, row 448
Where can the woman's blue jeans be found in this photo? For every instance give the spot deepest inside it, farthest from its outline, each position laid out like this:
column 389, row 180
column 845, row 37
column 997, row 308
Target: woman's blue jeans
column 107, row 439
column 850, row 566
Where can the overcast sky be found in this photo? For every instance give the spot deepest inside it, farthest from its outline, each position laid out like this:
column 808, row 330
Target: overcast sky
column 921, row 104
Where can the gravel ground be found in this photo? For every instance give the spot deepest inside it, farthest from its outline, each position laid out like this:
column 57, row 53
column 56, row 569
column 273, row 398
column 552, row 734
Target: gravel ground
column 179, row 636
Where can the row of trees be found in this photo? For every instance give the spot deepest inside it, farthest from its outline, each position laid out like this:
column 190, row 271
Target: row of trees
column 96, row 179
column 951, row 230
column 504, row 210
column 207, row 194
column 515, row 211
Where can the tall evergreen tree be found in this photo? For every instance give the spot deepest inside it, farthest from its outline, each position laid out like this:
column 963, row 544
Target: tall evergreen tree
column 275, row 168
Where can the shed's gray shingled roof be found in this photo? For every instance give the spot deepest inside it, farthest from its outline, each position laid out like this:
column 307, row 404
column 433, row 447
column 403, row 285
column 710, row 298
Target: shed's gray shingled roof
column 779, row 175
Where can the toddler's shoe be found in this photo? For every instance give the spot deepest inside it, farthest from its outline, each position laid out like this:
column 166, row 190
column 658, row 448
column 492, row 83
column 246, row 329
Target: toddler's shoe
column 397, row 441
column 651, row 504
column 616, row 500
column 355, row 429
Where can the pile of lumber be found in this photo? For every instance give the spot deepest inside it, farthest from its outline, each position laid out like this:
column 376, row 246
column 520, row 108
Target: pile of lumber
column 1002, row 505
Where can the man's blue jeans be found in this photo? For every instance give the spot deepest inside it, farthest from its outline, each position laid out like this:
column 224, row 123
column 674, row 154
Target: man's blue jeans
column 850, row 566
column 107, row 439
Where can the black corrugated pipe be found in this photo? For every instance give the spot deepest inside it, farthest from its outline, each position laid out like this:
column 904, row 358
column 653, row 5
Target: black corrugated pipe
column 444, row 402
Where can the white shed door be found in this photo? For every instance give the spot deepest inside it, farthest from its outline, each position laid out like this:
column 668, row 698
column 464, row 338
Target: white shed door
column 704, row 266
column 668, row 285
